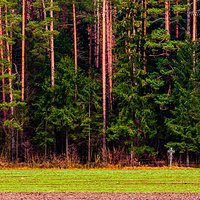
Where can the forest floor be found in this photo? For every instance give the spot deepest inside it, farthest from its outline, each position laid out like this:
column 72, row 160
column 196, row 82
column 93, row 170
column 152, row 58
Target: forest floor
column 99, row 196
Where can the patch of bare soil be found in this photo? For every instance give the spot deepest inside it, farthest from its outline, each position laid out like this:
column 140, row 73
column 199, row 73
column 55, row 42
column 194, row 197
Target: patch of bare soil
column 99, row 196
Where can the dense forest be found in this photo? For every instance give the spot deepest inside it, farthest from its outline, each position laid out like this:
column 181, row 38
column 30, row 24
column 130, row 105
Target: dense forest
column 99, row 81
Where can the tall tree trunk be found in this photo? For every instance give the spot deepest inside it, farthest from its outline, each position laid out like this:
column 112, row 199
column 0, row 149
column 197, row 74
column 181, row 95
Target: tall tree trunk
column 2, row 66
column 194, row 26
column 104, row 79
column 98, row 36
column 95, row 31
column 114, row 30
column 89, row 133
column 188, row 18
column 23, row 47
column 75, row 46
column 10, row 84
column 90, row 44
column 133, row 65
column 110, row 58
column 52, row 45
column 109, row 49
column 177, row 31
column 145, row 33
column 44, row 14
column 9, row 61
column 75, row 36
column 194, row 31
column 167, row 9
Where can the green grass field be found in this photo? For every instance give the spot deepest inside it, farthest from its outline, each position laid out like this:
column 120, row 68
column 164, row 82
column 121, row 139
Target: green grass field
column 137, row 180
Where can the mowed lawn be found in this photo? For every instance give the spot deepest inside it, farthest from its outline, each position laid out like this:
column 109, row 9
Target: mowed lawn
column 136, row 180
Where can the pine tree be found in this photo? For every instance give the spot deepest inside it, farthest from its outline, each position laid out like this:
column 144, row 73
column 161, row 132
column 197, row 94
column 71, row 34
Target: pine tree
column 183, row 123
column 23, row 46
column 104, row 79
column 52, row 45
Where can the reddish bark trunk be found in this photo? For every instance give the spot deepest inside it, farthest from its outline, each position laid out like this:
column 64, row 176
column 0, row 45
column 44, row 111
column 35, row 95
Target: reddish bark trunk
column 9, row 61
column 75, row 37
column 145, row 33
column 194, row 26
column 23, row 47
column 8, row 52
column 2, row 67
column 194, row 31
column 110, row 57
column 100, row 36
column 167, row 6
column 104, row 78
column 45, row 14
column 98, row 46
column 109, row 50
column 52, row 45
column 95, row 32
column 114, row 31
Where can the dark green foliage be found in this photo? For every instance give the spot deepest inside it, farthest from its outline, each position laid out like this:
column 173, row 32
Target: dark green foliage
column 184, row 122
column 156, row 98
column 66, row 107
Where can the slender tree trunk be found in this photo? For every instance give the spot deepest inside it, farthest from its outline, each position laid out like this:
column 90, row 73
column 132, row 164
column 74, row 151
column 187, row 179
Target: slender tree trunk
column 52, row 46
column 67, row 146
column 194, row 27
column 167, row 9
column 114, row 31
column 98, row 36
column 45, row 14
column 10, row 84
column 188, row 18
column 2, row 66
column 145, row 33
column 133, row 65
column 89, row 134
column 75, row 36
column 9, row 61
column 104, row 79
column 177, row 31
column 89, row 109
column 95, row 31
column 109, row 50
column 110, row 57
column 11, row 36
column 194, row 31
column 23, row 47
column 75, row 46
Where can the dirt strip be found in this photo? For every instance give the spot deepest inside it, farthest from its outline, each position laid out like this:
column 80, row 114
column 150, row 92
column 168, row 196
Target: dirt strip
column 99, row 196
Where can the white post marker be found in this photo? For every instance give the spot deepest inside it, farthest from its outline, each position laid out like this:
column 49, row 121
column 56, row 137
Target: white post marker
column 170, row 152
